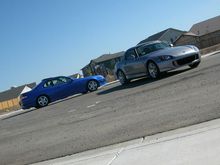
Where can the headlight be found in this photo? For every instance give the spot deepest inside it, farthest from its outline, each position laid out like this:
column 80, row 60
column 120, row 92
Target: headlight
column 166, row 57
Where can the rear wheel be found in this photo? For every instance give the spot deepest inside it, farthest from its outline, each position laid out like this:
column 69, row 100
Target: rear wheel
column 122, row 78
column 42, row 101
column 92, row 85
column 194, row 65
column 153, row 70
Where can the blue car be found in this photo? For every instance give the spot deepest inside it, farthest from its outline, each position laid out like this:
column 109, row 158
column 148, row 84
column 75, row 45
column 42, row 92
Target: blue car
column 55, row 88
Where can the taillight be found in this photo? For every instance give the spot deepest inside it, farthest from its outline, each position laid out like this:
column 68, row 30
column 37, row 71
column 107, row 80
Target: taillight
column 22, row 97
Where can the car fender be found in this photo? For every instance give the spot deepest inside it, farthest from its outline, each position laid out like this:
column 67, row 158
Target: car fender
column 121, row 69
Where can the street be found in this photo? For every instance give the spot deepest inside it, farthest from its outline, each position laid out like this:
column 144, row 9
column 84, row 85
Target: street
column 113, row 114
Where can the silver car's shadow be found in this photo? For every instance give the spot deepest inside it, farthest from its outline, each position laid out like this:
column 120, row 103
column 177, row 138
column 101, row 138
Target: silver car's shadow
column 142, row 81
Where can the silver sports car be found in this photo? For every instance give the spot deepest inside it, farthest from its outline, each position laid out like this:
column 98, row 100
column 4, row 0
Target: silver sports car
column 152, row 58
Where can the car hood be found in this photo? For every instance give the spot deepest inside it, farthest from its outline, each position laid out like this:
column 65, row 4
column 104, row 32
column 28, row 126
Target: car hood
column 97, row 77
column 175, row 51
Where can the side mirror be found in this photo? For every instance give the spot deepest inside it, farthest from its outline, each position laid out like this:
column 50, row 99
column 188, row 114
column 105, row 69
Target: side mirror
column 171, row 45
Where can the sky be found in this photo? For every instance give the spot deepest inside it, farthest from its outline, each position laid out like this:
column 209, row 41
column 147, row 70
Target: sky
column 46, row 38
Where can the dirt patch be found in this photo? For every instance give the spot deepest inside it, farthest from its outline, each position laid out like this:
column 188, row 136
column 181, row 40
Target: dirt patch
column 210, row 49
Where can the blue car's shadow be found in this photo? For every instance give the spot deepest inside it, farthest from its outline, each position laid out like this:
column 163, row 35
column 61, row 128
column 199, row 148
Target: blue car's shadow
column 142, row 81
column 34, row 109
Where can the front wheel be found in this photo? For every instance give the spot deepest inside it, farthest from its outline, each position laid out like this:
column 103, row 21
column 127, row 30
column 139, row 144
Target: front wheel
column 92, row 85
column 42, row 101
column 122, row 78
column 153, row 70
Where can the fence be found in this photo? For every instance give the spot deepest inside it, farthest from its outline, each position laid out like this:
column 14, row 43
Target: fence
column 210, row 39
column 10, row 104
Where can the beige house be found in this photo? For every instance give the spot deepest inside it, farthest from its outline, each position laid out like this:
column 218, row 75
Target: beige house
column 9, row 99
column 207, row 26
column 188, row 38
column 169, row 35
column 203, row 35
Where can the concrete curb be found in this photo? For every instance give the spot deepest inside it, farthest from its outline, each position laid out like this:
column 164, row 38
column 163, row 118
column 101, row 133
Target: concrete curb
column 11, row 113
column 106, row 155
column 112, row 82
column 210, row 54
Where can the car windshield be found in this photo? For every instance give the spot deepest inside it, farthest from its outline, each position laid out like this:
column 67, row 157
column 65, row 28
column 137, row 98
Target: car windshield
column 146, row 49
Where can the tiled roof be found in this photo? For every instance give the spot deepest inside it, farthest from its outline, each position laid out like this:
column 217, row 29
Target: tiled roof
column 154, row 37
column 106, row 57
column 207, row 26
column 157, row 36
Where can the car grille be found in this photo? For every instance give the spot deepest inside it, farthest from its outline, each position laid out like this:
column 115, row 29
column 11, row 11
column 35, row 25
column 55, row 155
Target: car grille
column 187, row 60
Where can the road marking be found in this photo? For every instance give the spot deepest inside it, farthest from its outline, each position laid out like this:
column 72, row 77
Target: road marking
column 73, row 110
column 91, row 106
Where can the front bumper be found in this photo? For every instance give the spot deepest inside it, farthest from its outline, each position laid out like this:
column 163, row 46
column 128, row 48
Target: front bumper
column 102, row 82
column 179, row 62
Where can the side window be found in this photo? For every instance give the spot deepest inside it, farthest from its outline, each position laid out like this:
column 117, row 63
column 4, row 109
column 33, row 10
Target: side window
column 143, row 50
column 49, row 83
column 130, row 54
column 64, row 79
column 146, row 49
column 57, row 81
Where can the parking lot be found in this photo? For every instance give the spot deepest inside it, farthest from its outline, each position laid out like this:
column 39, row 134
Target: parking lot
column 113, row 114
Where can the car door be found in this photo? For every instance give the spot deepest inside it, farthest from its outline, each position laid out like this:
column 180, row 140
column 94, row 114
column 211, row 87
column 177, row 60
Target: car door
column 142, row 56
column 66, row 86
column 78, row 85
column 133, row 65
column 53, row 89
column 60, row 88
column 72, row 86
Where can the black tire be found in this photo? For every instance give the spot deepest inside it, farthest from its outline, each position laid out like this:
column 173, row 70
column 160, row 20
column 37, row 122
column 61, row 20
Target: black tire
column 122, row 78
column 194, row 65
column 153, row 70
column 42, row 101
column 92, row 85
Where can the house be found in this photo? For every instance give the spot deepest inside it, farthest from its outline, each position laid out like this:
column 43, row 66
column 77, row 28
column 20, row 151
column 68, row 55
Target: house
column 169, row 35
column 203, row 35
column 187, row 38
column 207, row 26
column 103, row 65
column 9, row 99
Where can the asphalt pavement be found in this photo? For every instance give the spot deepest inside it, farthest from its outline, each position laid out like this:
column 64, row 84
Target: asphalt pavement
column 113, row 114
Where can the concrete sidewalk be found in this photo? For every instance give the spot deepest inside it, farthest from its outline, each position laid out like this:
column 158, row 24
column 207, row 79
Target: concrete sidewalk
column 198, row 144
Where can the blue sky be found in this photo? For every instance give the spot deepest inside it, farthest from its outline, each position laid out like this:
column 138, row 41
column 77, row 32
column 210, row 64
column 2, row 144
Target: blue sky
column 43, row 38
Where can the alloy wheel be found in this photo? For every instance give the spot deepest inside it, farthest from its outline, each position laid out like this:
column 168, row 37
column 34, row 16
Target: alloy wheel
column 92, row 85
column 121, row 77
column 153, row 70
column 43, row 101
